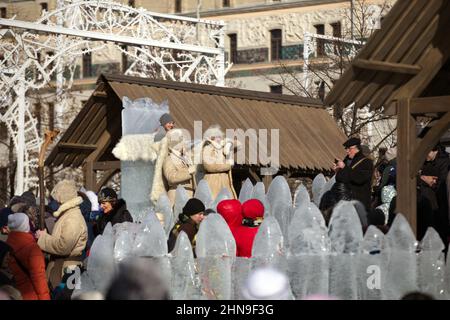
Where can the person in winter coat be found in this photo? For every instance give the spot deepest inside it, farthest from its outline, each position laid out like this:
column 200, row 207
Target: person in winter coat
column 356, row 172
column 188, row 221
column 167, row 124
column 114, row 210
column 69, row 235
column 231, row 211
column 253, row 213
column 26, row 259
column 215, row 161
column 27, row 204
column 178, row 168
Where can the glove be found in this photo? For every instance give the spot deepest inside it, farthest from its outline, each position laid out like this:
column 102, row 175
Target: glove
column 191, row 169
column 227, row 148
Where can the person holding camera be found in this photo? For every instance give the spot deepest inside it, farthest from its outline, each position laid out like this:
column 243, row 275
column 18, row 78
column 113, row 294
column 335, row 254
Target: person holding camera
column 355, row 171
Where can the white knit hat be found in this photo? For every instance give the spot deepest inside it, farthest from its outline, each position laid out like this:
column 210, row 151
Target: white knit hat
column 267, row 284
column 19, row 222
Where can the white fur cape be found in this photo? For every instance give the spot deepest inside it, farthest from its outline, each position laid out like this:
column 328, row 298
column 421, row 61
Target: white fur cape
column 134, row 147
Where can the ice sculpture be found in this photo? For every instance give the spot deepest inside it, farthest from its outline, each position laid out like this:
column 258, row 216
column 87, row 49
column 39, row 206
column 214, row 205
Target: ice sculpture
column 400, row 251
column 259, row 192
column 141, row 115
column 185, row 283
column 246, row 192
column 164, row 208
column 317, row 187
column 308, row 252
column 101, row 265
column 371, row 266
column 280, row 201
column 301, row 196
column 203, row 193
column 216, row 250
column 181, row 198
column 431, row 274
column 151, row 239
column 346, row 235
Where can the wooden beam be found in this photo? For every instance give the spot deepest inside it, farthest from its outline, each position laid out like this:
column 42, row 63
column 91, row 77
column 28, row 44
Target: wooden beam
column 254, row 175
column 106, row 165
column 430, row 105
column 390, row 67
column 428, row 142
column 78, row 146
column 406, row 185
column 89, row 174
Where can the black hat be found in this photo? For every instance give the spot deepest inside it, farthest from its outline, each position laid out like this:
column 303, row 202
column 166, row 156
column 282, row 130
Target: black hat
column 352, row 142
column 193, row 206
column 107, row 194
column 165, row 118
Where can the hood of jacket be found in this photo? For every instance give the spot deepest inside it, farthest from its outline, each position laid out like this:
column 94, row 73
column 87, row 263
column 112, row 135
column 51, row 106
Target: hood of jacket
column 64, row 191
column 252, row 209
column 72, row 203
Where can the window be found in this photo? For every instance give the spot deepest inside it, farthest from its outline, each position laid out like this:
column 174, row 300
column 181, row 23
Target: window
column 276, row 89
column 44, row 6
column 132, row 3
column 275, row 44
column 320, row 29
column 233, row 47
column 337, row 33
column 87, row 65
column 3, row 12
column 178, row 8
column 226, row 3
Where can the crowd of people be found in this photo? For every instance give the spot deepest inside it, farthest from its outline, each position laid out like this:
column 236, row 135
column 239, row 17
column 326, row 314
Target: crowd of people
column 36, row 260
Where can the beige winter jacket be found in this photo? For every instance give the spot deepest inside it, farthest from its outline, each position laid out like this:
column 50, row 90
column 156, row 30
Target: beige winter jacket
column 217, row 170
column 176, row 173
column 69, row 235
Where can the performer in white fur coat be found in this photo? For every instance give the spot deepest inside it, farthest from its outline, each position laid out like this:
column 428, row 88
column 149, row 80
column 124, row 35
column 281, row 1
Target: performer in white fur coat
column 217, row 167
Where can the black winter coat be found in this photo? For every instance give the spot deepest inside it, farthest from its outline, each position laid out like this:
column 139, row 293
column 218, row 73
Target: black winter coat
column 118, row 214
column 357, row 176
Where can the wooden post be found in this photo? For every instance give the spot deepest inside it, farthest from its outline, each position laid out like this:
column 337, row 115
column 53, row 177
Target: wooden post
column 90, row 182
column 406, row 183
column 267, row 179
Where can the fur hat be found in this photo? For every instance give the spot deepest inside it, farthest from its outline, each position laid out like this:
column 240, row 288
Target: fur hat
column 107, row 194
column 193, row 206
column 213, row 131
column 174, row 138
column 391, row 153
column 165, row 118
column 64, row 191
column 352, row 142
column 19, row 222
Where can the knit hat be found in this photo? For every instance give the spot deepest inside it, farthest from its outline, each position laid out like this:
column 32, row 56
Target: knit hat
column 193, row 206
column 252, row 208
column 165, row 118
column 107, row 194
column 352, row 142
column 391, row 153
column 267, row 284
column 19, row 222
